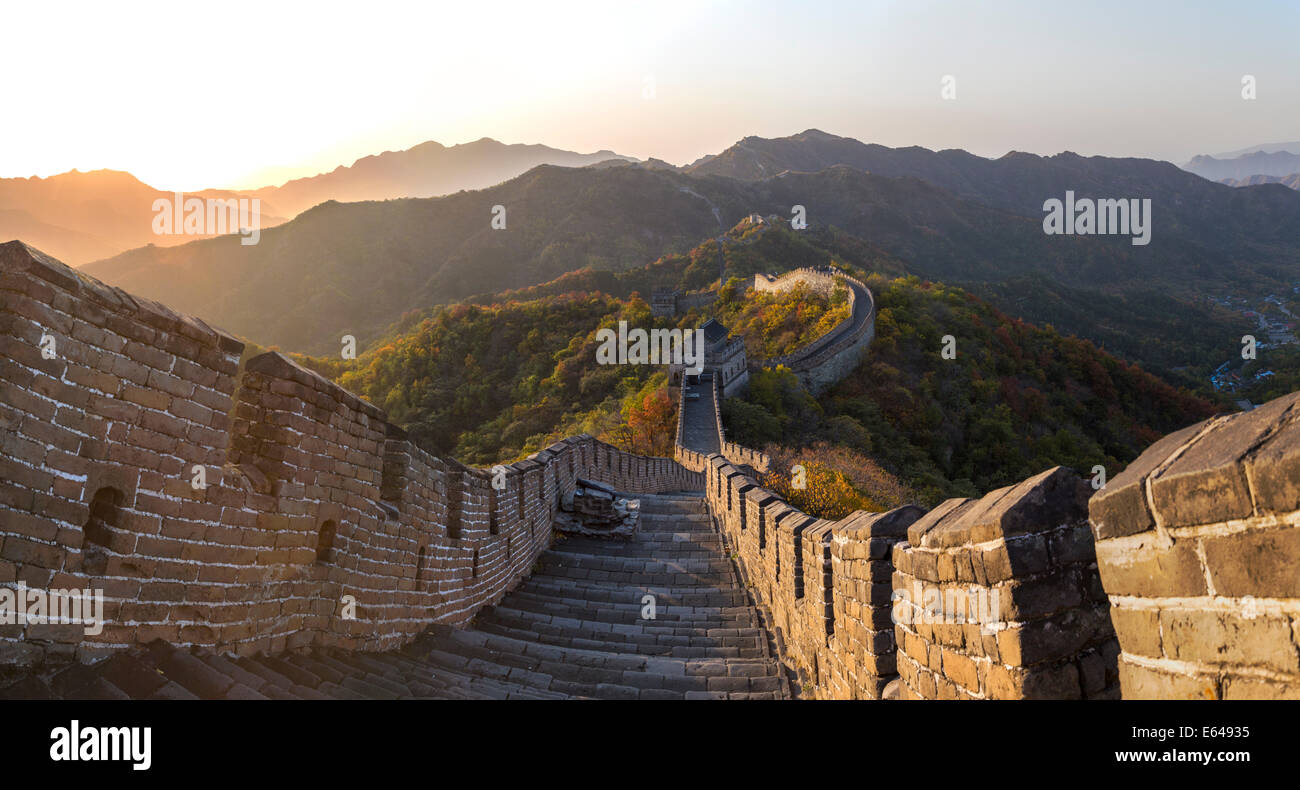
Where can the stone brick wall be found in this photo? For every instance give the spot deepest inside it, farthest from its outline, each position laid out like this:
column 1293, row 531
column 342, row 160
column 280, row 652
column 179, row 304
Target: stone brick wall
column 308, row 499
column 999, row 598
column 825, row 585
column 833, row 590
column 112, row 407
column 862, row 566
column 818, row 281
column 1191, row 589
column 1199, row 551
column 735, row 453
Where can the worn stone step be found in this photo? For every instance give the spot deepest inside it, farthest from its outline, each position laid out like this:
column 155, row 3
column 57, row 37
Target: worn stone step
column 668, row 633
column 635, row 570
column 654, row 545
column 650, row 645
column 686, row 595
column 623, row 612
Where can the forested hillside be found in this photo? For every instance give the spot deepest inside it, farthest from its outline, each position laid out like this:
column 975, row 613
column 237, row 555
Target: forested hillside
column 1017, row 398
column 504, row 376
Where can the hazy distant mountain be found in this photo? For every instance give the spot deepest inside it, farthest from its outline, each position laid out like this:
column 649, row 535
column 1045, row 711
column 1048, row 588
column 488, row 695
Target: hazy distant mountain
column 356, row 267
column 1259, row 163
column 1292, row 181
column 79, row 217
column 1267, row 148
column 429, row 169
column 64, row 244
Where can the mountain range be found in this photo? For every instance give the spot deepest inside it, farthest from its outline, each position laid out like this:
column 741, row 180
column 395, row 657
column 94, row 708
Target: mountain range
column 1292, row 181
column 1255, row 163
column 354, row 268
column 426, row 170
column 81, row 217
column 1267, row 148
column 948, row 215
column 507, row 374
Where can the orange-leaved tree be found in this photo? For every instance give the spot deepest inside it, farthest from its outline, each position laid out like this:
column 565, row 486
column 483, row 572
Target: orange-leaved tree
column 649, row 422
column 819, row 491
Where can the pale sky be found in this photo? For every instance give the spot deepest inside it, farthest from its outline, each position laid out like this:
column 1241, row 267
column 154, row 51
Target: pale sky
column 244, row 94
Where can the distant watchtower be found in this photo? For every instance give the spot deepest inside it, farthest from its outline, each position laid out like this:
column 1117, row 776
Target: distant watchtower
column 725, row 356
column 663, row 302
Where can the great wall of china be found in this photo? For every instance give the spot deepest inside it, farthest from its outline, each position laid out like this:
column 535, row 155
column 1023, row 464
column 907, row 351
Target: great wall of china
column 1179, row 579
column 1176, row 580
column 832, row 356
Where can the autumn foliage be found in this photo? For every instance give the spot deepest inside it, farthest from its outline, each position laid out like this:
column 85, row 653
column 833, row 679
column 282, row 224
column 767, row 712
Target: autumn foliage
column 1016, row 399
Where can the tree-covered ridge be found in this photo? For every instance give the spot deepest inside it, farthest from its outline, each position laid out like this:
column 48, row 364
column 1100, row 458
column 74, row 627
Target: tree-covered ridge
column 494, row 381
column 1016, row 398
column 776, row 324
column 506, row 375
column 747, row 249
column 488, row 383
column 1180, row 340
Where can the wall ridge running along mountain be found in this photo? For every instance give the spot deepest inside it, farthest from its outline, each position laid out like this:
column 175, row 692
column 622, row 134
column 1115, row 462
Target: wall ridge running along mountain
column 829, row 358
column 1035, row 573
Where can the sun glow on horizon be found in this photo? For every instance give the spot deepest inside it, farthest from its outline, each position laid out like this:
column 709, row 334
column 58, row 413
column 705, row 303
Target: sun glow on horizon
column 258, row 93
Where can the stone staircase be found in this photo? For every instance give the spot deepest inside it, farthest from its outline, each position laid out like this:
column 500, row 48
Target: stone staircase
column 574, row 628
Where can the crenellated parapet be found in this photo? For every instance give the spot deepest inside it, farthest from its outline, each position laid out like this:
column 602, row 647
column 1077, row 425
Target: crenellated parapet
column 1198, row 543
column 820, row 281
column 999, row 598
column 995, row 598
column 252, row 507
column 825, row 584
column 1176, row 579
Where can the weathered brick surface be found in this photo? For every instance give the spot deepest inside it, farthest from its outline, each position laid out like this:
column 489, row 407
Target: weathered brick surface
column 311, row 496
column 833, row 590
column 825, row 585
column 844, row 597
column 1199, row 553
column 862, row 656
column 998, row 598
